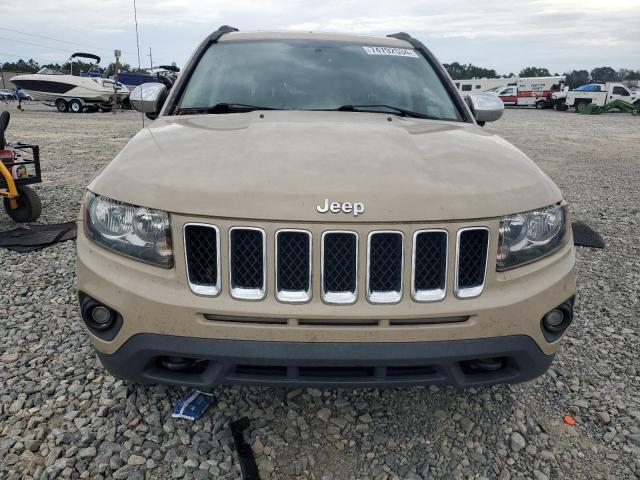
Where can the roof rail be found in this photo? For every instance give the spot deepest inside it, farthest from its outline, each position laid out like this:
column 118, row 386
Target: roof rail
column 222, row 29
column 463, row 109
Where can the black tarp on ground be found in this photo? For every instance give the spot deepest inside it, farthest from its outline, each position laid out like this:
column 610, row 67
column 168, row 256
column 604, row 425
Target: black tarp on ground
column 585, row 236
column 35, row 237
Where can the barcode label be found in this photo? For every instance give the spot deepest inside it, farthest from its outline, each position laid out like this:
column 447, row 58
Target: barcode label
column 394, row 52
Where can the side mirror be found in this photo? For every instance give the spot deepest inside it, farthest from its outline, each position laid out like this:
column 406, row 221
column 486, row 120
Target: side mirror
column 149, row 98
column 486, row 107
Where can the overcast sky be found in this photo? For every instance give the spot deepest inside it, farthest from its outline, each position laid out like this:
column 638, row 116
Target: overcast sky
column 505, row 35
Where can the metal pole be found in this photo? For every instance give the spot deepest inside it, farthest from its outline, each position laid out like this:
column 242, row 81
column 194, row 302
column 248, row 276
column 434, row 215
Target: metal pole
column 115, row 78
column 135, row 18
column 151, row 60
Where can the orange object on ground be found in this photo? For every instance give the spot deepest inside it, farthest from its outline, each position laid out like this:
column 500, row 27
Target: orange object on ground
column 569, row 420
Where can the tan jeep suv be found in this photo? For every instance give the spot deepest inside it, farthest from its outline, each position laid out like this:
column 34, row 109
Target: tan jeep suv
column 322, row 209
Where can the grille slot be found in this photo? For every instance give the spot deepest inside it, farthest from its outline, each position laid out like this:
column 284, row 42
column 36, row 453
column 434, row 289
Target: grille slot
column 202, row 254
column 338, row 323
column 247, row 263
column 471, row 261
column 384, row 266
column 293, row 265
column 336, row 372
column 339, row 266
column 429, row 275
column 245, row 320
column 412, row 371
column 426, row 321
column 261, row 370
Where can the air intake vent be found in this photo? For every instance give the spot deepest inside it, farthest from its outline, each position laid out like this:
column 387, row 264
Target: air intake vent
column 247, row 263
column 471, row 264
column 429, row 265
column 339, row 266
column 385, row 261
column 293, row 265
column 202, row 253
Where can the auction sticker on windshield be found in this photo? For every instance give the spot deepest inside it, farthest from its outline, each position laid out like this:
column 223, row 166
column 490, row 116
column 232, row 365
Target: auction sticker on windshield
column 394, row 52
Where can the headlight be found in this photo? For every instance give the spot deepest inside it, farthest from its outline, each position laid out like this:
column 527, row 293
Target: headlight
column 138, row 232
column 530, row 235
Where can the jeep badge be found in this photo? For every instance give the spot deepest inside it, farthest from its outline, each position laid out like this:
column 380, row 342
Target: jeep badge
column 345, row 207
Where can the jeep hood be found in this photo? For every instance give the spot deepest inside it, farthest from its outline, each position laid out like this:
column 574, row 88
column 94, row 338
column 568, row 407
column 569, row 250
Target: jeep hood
column 278, row 165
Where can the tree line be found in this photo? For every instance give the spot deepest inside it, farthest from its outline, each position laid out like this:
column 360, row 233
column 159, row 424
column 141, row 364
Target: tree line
column 31, row 66
column 575, row 78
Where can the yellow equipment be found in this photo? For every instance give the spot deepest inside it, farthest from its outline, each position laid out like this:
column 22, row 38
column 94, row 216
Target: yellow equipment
column 19, row 167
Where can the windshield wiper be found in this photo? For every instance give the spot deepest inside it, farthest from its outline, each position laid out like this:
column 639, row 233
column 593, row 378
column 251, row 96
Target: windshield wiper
column 222, row 108
column 403, row 112
column 242, row 107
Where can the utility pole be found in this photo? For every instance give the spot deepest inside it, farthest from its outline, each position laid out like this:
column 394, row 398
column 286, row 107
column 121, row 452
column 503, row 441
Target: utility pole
column 117, row 54
column 151, row 61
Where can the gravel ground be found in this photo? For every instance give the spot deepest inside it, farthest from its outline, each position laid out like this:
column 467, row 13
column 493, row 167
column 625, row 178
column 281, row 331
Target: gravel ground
column 62, row 415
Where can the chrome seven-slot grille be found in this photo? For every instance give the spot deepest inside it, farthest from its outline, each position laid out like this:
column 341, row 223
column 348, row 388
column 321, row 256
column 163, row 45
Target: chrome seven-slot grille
column 385, row 261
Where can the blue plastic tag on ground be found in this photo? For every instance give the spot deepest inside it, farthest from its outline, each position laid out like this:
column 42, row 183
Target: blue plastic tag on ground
column 193, row 405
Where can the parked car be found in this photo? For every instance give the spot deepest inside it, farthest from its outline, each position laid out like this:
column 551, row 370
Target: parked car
column 322, row 209
column 6, row 94
column 598, row 94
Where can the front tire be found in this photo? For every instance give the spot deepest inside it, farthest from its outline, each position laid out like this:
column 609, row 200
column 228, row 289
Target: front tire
column 62, row 105
column 541, row 104
column 561, row 106
column 29, row 206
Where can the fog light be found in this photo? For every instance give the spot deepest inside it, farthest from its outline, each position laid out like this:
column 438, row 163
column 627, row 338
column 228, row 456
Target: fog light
column 554, row 319
column 102, row 320
column 102, row 316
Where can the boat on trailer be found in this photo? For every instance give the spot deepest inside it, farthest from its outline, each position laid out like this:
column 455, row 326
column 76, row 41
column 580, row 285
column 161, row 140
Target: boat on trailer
column 71, row 92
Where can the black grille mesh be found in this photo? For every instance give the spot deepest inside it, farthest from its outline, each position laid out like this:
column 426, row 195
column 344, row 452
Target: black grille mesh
column 385, row 262
column 293, row 261
column 246, row 260
column 340, row 251
column 430, row 260
column 201, row 244
column 472, row 258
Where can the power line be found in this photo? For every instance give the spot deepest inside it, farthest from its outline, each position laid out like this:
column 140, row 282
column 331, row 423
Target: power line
column 34, row 44
column 62, row 41
column 44, row 46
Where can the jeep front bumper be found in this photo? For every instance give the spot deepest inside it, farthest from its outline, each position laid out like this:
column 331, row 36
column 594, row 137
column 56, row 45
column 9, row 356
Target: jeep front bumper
column 268, row 342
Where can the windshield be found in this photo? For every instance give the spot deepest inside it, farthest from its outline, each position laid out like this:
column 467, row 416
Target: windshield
column 592, row 87
column 49, row 71
column 317, row 75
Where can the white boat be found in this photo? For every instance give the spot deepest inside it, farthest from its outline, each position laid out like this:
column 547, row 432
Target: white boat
column 72, row 92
